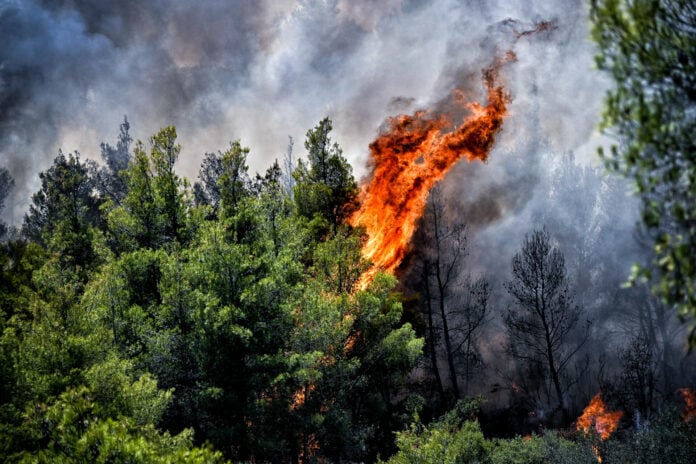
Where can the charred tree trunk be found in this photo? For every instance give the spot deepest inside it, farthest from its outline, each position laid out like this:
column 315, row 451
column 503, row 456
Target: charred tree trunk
column 448, row 340
column 431, row 332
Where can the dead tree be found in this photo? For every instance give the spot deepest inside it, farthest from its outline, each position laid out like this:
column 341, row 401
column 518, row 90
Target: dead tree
column 542, row 323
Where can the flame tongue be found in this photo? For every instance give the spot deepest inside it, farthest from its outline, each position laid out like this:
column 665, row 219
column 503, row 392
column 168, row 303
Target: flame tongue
column 413, row 154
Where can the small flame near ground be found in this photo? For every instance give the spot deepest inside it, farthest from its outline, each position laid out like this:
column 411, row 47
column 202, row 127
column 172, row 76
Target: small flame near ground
column 411, row 156
column 598, row 417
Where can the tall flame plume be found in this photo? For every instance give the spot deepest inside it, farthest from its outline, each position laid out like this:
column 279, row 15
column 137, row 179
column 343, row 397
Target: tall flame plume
column 411, row 156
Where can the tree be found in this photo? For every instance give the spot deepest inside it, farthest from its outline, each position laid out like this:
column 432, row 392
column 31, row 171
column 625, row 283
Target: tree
column 350, row 356
column 275, row 203
column 455, row 305
column 134, row 223
column 6, row 184
column 456, row 437
column 74, row 428
column 153, row 211
column 637, row 381
column 473, row 314
column 649, row 47
column 441, row 270
column 542, row 323
column 64, row 212
column 224, row 179
column 339, row 262
column 111, row 182
column 167, row 184
column 289, row 166
column 325, row 186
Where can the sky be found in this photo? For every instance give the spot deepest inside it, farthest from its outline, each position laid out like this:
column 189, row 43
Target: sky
column 262, row 71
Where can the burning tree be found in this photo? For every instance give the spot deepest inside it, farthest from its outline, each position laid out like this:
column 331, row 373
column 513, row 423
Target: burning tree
column 412, row 154
column 542, row 323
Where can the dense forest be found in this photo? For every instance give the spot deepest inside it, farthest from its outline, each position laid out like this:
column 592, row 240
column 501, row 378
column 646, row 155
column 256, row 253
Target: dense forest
column 234, row 317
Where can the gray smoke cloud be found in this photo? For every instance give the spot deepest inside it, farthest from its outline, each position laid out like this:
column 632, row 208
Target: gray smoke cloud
column 260, row 71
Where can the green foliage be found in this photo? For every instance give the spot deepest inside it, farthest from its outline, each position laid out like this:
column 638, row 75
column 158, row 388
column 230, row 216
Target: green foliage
column 239, row 319
column 18, row 260
column 454, row 438
column 667, row 439
column 649, row 47
column 240, row 325
column 338, row 260
column 534, row 449
column 224, row 179
column 457, row 438
column 349, row 355
column 168, row 187
column 113, row 388
column 64, row 213
column 72, row 430
column 153, row 211
column 81, row 401
column 234, row 177
column 110, row 180
column 528, row 450
column 325, row 186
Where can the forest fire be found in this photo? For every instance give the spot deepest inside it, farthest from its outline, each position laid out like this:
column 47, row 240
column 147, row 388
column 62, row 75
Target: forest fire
column 604, row 422
column 411, row 156
column 596, row 415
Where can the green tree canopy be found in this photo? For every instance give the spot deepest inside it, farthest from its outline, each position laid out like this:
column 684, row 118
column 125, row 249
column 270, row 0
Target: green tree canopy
column 649, row 47
column 325, row 186
column 65, row 210
column 153, row 211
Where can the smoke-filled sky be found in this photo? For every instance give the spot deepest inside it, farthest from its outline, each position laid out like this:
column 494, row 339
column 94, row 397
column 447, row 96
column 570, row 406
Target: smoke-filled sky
column 265, row 70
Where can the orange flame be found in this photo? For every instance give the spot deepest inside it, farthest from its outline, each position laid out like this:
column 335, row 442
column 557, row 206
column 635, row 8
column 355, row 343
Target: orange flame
column 411, row 156
column 595, row 450
column 689, row 396
column 596, row 414
column 299, row 397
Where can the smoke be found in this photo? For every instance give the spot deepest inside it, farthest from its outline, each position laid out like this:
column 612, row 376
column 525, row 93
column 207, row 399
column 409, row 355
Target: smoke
column 260, row 71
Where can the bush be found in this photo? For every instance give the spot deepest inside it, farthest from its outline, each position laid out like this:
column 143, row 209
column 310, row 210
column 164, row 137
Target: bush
column 669, row 439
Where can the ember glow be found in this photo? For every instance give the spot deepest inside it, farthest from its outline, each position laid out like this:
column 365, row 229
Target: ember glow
column 596, row 415
column 689, row 396
column 411, row 156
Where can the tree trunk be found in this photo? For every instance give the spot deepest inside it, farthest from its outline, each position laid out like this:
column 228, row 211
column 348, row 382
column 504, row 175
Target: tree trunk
column 448, row 348
column 431, row 332
column 554, row 375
